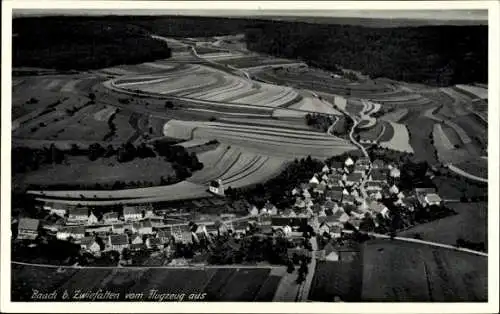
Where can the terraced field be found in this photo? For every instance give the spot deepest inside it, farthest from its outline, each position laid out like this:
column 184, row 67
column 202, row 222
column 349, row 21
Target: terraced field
column 219, row 284
column 288, row 144
column 204, row 83
column 400, row 140
column 446, row 150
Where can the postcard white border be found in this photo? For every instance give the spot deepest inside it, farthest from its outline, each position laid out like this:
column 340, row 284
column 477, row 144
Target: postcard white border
column 240, row 307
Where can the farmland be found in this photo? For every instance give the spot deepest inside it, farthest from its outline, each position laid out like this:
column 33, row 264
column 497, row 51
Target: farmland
column 208, row 84
column 337, row 279
column 469, row 224
column 430, row 274
column 219, row 284
column 80, row 171
column 262, row 139
column 400, row 140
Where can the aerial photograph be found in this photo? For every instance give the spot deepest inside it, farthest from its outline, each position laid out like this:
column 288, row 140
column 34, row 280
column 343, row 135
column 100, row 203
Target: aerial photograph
column 252, row 156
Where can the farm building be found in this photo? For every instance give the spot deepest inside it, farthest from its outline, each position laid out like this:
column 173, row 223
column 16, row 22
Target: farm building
column 363, row 163
column 131, row 213
column 353, row 178
column 164, row 236
column 118, row 242
column 378, row 174
column 90, row 245
column 118, row 228
column 142, row 227
column 331, row 254
column 325, row 169
column 137, row 247
column 154, row 243
column 136, row 239
column 348, row 199
column 270, row 209
column 379, row 208
column 92, row 220
column 432, row 199
column 294, row 222
column 75, row 232
column 111, row 217
column 336, row 166
column 378, row 164
column 28, row 228
column 314, row 181
column 56, row 209
column 216, row 187
column 78, row 215
column 348, row 162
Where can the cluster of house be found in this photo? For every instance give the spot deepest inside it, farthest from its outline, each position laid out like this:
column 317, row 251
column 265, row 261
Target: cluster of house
column 343, row 192
column 347, row 192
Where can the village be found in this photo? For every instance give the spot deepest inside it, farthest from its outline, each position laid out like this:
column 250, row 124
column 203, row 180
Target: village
column 344, row 197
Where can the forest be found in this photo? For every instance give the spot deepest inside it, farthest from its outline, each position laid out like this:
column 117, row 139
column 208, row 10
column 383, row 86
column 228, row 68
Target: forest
column 81, row 43
column 434, row 55
column 437, row 55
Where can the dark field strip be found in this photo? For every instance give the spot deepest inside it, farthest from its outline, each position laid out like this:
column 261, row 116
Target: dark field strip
column 409, row 272
column 373, row 132
column 420, row 131
column 342, row 279
column 268, row 289
column 388, row 133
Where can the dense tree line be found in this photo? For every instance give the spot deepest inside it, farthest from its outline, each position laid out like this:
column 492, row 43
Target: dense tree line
column 26, row 159
column 81, row 43
column 436, row 55
column 319, row 121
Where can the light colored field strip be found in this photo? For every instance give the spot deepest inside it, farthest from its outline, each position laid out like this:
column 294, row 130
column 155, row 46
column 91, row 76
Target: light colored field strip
column 466, row 174
column 480, row 92
column 70, row 87
column 400, row 140
column 53, row 84
column 440, row 138
column 229, row 113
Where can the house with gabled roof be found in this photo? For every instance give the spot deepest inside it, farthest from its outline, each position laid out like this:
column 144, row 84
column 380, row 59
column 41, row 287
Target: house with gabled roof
column 348, row 199
column 325, row 169
column 165, row 236
column 432, row 199
column 28, row 228
column 142, row 227
column 379, row 174
column 118, row 228
column 92, row 219
column 336, row 165
column 254, row 211
column 295, row 191
column 354, row 179
column 136, row 239
column 334, row 195
column 75, row 232
column 57, row 209
column 90, row 245
column 379, row 208
column 348, row 162
column 378, row 163
column 111, row 217
column 313, row 181
column 78, row 215
column 131, row 213
column 154, row 243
